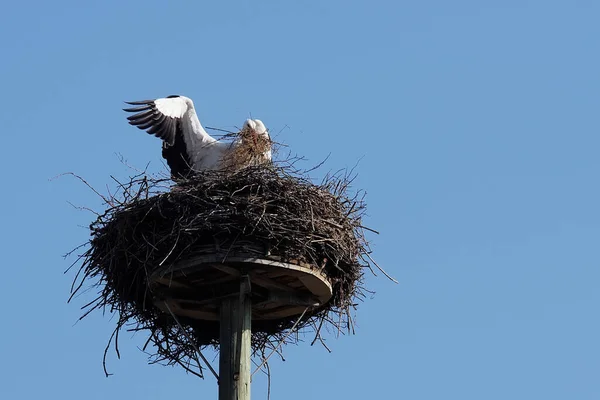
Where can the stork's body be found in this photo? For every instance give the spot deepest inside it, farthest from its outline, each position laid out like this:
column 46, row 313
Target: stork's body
column 187, row 147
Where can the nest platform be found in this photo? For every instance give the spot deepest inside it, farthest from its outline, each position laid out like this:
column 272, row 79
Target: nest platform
column 195, row 288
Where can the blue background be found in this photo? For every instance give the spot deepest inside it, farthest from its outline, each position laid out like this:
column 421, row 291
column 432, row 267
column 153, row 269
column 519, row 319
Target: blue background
column 477, row 130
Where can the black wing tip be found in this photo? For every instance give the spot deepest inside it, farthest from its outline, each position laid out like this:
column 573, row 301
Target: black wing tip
column 145, row 107
column 147, row 102
column 140, row 102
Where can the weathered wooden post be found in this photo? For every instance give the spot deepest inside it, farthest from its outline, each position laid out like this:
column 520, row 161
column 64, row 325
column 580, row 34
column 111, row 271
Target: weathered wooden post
column 235, row 320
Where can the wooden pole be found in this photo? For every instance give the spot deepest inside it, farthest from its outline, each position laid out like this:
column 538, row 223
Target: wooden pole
column 234, row 357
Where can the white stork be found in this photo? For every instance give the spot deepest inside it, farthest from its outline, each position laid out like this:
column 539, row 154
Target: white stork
column 186, row 145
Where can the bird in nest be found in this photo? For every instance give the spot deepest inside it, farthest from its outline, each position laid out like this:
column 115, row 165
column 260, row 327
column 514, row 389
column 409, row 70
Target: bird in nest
column 187, row 147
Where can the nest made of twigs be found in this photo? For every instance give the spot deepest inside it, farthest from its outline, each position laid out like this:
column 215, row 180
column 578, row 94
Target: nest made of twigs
column 152, row 222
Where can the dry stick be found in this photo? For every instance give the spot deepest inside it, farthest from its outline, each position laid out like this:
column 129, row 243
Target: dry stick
column 192, row 342
column 318, row 332
column 189, row 369
column 170, row 252
column 106, row 351
column 82, row 208
column 281, row 342
column 104, row 198
column 368, row 229
column 220, row 130
column 256, row 364
column 381, row 269
column 268, row 382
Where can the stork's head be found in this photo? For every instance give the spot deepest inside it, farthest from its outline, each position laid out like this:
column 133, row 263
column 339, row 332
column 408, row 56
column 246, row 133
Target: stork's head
column 253, row 146
column 257, row 126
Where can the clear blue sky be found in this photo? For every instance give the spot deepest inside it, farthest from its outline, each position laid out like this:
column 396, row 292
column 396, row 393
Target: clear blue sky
column 477, row 124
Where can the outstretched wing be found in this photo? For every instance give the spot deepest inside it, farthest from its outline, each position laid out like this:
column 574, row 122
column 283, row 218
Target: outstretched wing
column 173, row 119
column 160, row 117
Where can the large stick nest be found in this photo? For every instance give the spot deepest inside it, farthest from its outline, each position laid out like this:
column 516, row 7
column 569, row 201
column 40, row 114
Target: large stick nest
column 151, row 223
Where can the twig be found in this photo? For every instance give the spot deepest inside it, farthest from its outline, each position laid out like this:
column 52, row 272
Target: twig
column 171, row 251
column 281, row 342
column 381, row 269
column 193, row 343
column 105, row 199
